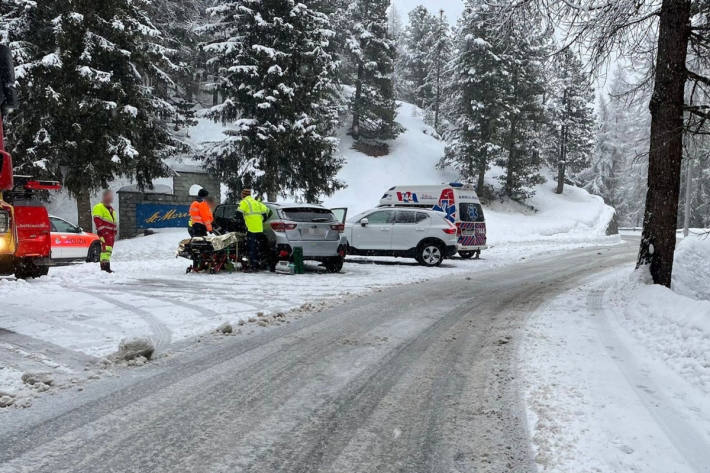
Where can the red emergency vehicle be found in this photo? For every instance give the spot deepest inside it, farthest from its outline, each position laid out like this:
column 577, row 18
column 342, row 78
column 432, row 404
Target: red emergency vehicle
column 25, row 243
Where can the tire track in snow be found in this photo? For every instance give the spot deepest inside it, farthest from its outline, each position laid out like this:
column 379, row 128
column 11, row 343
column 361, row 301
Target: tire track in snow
column 682, row 435
column 161, row 334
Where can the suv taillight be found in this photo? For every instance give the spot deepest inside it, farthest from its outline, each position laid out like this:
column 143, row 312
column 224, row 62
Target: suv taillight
column 338, row 227
column 4, row 221
column 452, row 229
column 282, row 226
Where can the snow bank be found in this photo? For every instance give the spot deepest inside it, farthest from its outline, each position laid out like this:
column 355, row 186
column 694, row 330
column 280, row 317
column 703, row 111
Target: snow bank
column 617, row 377
column 574, row 215
column 671, row 327
column 691, row 271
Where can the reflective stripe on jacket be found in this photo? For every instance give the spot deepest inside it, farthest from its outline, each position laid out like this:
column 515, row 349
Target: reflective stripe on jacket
column 105, row 220
column 200, row 212
column 254, row 212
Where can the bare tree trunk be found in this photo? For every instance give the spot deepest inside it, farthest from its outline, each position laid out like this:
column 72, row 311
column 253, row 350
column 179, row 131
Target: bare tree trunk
column 83, row 208
column 666, row 151
column 688, row 198
column 562, row 161
column 438, row 78
column 356, row 103
column 510, row 177
column 481, row 181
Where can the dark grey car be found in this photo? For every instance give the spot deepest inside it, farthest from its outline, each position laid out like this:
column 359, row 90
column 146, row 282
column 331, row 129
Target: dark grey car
column 313, row 228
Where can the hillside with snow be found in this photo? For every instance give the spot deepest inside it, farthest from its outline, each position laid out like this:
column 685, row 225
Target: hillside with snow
column 573, row 216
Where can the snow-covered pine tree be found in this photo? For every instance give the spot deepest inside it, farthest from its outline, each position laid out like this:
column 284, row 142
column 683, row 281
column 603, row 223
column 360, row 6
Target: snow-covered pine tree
column 338, row 15
column 372, row 52
column 85, row 114
column 414, row 64
column 175, row 54
column 439, row 55
column 570, row 107
column 602, row 176
column 527, row 48
column 277, row 78
column 619, row 166
column 476, row 96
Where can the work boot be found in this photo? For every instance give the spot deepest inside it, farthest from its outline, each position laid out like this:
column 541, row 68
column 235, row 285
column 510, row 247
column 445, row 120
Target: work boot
column 106, row 266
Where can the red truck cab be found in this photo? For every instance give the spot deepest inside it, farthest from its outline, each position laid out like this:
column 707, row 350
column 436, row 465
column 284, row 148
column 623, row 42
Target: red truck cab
column 25, row 240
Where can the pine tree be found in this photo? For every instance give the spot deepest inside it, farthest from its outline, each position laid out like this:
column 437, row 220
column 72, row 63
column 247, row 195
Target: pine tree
column 86, row 115
column 277, row 78
column 372, row 52
column 439, row 55
column 619, row 166
column 571, row 116
column 603, row 174
column 524, row 57
column 414, row 65
column 476, row 94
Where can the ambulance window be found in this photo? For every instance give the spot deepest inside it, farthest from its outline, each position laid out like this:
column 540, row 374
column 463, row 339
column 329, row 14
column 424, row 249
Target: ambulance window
column 470, row 212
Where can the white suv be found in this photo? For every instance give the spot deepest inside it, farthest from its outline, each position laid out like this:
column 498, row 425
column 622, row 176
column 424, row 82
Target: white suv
column 425, row 235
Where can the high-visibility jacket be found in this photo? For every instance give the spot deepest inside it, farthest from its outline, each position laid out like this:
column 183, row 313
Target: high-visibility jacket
column 106, row 222
column 254, row 212
column 200, row 212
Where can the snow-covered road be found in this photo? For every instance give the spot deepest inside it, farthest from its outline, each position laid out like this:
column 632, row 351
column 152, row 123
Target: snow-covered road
column 79, row 310
column 420, row 377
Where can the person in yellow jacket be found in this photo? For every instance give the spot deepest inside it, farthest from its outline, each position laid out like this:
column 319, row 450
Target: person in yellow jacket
column 106, row 223
column 254, row 212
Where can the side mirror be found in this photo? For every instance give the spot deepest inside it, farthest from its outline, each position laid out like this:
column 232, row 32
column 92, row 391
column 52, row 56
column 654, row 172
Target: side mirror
column 364, row 222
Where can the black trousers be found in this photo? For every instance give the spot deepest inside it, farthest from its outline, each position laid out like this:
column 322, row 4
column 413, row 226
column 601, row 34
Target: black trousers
column 253, row 248
column 197, row 230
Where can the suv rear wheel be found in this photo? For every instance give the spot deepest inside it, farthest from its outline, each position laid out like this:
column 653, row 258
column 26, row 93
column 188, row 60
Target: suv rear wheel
column 334, row 265
column 430, row 254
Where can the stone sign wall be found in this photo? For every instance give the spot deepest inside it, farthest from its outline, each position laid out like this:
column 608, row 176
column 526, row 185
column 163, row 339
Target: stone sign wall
column 139, row 211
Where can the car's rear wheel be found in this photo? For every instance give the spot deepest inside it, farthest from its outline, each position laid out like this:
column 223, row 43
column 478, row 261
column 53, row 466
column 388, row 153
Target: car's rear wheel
column 334, row 265
column 94, row 255
column 430, row 254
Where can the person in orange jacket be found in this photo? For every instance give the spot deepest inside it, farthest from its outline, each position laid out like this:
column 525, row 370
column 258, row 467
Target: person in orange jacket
column 201, row 215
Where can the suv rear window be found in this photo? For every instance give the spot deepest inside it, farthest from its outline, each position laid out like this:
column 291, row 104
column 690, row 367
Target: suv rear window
column 307, row 214
column 469, row 212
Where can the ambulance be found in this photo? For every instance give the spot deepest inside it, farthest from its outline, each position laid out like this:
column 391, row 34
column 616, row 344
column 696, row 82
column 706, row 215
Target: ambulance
column 458, row 201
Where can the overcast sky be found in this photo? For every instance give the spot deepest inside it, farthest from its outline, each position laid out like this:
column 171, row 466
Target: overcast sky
column 452, row 8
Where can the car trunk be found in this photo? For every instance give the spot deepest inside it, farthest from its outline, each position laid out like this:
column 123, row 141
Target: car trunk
column 312, row 224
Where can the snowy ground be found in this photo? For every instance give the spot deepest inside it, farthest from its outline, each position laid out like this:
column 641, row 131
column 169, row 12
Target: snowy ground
column 618, row 373
column 78, row 315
